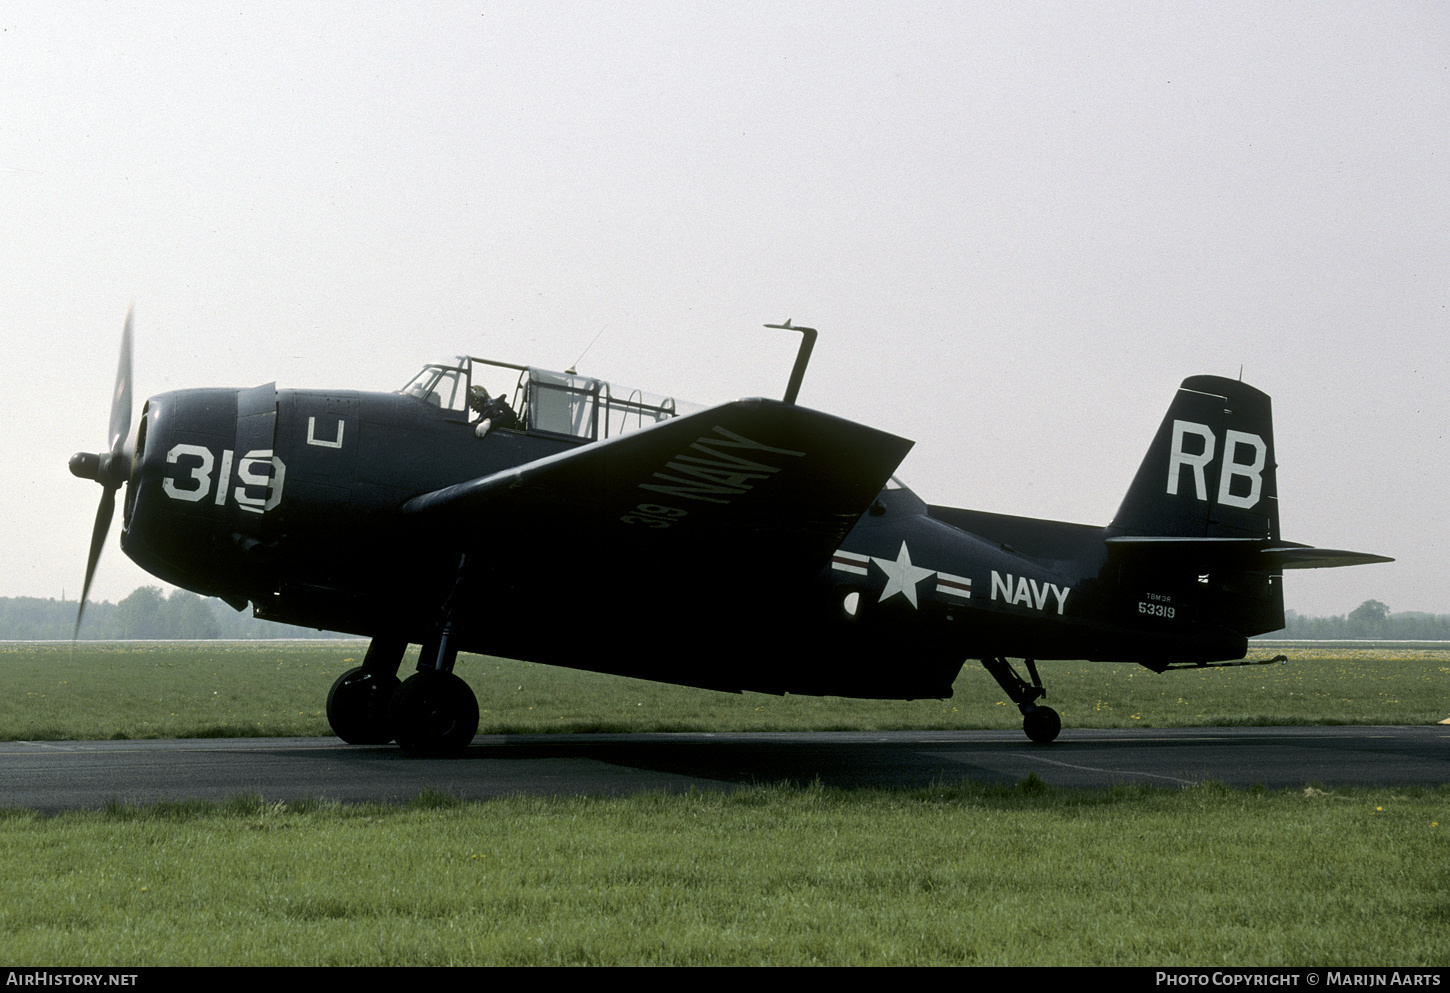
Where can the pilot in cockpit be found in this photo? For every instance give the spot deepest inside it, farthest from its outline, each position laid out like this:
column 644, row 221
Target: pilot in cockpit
column 494, row 412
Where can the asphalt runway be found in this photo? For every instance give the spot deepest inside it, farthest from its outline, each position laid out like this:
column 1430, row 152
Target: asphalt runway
column 53, row 776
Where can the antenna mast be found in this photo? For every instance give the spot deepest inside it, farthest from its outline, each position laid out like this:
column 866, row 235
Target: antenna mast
column 802, row 357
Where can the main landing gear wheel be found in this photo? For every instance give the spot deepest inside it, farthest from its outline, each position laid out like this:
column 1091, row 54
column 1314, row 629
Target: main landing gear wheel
column 1041, row 724
column 434, row 713
column 357, row 707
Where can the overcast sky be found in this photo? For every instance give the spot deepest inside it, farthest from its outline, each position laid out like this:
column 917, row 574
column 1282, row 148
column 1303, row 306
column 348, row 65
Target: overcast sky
column 1018, row 227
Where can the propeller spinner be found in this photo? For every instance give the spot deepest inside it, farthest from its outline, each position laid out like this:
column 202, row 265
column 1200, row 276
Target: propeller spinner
column 110, row 468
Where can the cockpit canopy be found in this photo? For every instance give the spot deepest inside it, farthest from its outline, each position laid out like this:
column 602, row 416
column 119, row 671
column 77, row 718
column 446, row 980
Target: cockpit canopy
column 442, row 384
column 557, row 403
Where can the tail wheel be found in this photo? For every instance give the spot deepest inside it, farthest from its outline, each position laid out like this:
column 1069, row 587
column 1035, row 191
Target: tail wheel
column 1041, row 724
column 434, row 713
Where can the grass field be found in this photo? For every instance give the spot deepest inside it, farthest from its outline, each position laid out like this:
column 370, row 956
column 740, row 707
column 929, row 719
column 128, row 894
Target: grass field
column 232, row 689
column 965, row 874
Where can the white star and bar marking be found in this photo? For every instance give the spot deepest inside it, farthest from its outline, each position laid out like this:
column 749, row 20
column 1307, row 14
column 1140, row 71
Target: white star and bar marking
column 902, row 576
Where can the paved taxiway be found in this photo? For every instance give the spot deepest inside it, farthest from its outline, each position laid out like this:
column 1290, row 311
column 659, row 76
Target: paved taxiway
column 60, row 775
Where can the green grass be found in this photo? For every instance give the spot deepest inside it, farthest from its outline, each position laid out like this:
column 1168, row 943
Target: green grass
column 965, row 875
column 234, row 689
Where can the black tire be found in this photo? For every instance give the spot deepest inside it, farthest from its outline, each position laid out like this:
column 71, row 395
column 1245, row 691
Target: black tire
column 1042, row 724
column 434, row 713
column 357, row 707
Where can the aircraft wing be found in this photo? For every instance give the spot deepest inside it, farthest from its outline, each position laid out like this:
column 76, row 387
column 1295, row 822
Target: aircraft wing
column 1250, row 553
column 754, row 490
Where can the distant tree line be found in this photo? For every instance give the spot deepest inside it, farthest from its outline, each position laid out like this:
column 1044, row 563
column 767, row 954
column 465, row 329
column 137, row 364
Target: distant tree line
column 146, row 615
column 1370, row 619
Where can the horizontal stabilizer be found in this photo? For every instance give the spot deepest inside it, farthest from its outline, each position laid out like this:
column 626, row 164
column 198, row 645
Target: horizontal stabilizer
column 1318, row 558
column 1253, row 554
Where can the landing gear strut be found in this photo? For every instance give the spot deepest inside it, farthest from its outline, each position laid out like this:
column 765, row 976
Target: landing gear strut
column 1041, row 723
column 357, row 704
column 434, row 712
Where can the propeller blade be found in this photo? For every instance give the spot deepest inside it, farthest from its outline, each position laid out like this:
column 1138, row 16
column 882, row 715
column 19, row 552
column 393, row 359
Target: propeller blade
column 121, row 397
column 110, row 469
column 104, row 513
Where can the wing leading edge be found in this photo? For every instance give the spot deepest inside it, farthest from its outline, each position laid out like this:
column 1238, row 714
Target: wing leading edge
column 755, row 488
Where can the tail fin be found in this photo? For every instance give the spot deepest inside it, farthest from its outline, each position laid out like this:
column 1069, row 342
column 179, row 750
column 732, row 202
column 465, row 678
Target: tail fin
column 1199, row 528
column 1205, row 491
column 1210, row 470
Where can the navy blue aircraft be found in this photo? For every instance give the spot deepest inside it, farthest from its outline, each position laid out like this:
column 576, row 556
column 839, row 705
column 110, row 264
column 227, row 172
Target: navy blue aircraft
column 755, row 545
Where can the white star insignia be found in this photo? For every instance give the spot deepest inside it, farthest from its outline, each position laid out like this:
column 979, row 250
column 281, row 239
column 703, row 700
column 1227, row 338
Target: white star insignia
column 901, row 575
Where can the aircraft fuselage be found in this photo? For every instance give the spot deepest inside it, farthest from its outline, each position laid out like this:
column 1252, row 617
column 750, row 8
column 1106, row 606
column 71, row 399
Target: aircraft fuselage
column 291, row 500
